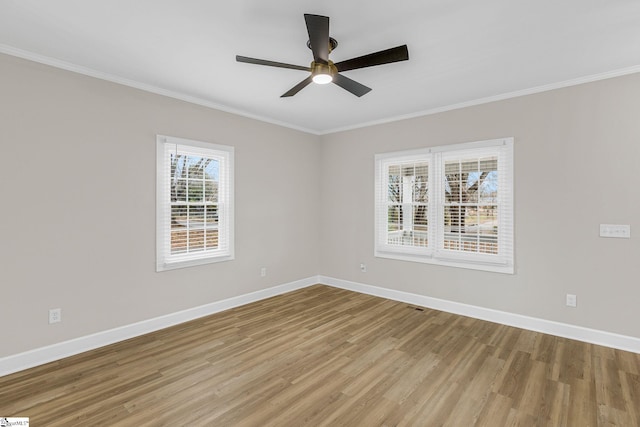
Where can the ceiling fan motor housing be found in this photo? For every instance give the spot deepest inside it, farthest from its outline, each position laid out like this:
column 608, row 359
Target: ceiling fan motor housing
column 320, row 68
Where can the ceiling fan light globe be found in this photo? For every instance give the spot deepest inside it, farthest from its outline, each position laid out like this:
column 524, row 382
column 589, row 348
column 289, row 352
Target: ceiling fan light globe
column 322, row 79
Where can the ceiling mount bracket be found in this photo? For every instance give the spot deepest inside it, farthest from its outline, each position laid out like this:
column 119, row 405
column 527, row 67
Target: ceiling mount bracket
column 333, row 43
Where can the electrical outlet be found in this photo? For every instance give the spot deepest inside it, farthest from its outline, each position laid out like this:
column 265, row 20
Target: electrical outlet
column 572, row 300
column 263, row 272
column 55, row 315
column 363, row 268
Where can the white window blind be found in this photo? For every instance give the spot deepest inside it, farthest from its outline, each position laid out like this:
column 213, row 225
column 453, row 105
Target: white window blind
column 403, row 204
column 194, row 203
column 450, row 205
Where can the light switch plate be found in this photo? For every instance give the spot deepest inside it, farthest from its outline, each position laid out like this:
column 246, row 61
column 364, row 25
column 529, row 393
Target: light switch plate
column 620, row 231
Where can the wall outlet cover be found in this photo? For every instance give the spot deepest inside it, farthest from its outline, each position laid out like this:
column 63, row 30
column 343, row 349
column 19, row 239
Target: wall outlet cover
column 55, row 315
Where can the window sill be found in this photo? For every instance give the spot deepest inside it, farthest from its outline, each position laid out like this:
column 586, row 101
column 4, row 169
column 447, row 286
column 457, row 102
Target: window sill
column 471, row 265
column 192, row 262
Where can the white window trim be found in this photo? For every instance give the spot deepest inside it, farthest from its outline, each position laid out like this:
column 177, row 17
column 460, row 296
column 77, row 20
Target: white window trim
column 407, row 252
column 225, row 154
column 504, row 262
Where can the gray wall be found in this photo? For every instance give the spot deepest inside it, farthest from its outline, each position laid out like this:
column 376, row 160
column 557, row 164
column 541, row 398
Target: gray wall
column 576, row 156
column 77, row 223
column 77, row 227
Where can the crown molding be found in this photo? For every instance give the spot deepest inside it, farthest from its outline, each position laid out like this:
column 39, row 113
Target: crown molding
column 494, row 98
column 68, row 66
column 20, row 53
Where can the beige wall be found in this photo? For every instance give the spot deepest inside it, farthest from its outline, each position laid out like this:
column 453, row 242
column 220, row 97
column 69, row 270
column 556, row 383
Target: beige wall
column 77, row 223
column 576, row 166
column 77, row 227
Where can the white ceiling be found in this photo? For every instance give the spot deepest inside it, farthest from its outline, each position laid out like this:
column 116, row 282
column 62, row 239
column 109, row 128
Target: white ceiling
column 461, row 52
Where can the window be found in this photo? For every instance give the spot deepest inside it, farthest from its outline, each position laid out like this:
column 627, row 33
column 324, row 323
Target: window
column 194, row 203
column 449, row 205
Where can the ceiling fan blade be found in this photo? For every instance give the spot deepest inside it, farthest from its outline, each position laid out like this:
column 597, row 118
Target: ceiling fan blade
column 270, row 63
column 297, row 88
column 395, row 54
column 351, row 85
column 318, row 29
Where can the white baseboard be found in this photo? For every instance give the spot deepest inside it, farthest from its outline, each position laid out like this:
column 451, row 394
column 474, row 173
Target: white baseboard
column 564, row 330
column 40, row 356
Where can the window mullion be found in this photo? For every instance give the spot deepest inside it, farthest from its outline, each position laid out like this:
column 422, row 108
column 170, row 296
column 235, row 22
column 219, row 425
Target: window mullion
column 437, row 186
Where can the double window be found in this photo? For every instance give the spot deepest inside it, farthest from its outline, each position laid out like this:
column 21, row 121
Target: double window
column 194, row 212
column 449, row 205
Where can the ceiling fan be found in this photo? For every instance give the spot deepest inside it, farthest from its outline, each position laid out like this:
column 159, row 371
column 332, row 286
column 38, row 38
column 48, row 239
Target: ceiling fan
column 324, row 70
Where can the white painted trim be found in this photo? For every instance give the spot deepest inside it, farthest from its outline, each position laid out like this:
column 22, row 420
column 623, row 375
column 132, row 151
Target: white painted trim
column 434, row 253
column 40, row 356
column 42, row 59
column 489, row 99
column 593, row 336
column 166, row 146
column 20, row 53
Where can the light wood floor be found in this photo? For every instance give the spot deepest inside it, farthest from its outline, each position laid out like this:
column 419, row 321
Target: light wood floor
column 322, row 356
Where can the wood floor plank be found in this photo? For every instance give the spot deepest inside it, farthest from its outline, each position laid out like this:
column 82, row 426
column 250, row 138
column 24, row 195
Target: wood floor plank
column 552, row 408
column 322, row 356
column 583, row 407
column 631, row 390
column 476, row 393
column 495, row 412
